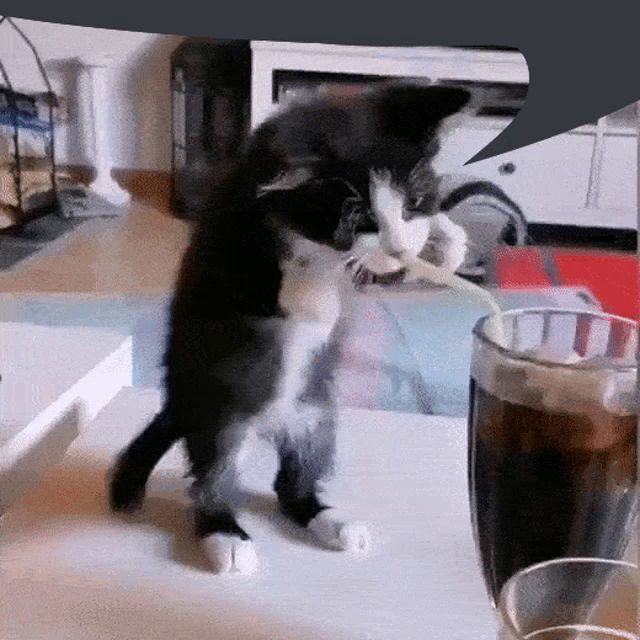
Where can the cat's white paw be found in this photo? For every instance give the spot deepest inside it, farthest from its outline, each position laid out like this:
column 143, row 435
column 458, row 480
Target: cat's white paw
column 376, row 266
column 378, row 261
column 448, row 243
column 386, row 197
column 337, row 534
column 230, row 554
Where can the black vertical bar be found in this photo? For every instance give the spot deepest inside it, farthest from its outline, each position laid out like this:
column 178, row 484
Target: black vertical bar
column 50, row 97
column 17, row 173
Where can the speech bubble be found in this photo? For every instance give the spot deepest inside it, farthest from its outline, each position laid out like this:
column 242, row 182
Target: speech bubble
column 582, row 59
column 579, row 87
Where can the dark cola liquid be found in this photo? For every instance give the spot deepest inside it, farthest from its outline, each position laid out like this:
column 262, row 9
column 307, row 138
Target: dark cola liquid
column 545, row 486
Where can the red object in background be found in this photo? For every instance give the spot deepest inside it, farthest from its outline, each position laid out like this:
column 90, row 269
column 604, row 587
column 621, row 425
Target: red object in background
column 613, row 278
column 522, row 267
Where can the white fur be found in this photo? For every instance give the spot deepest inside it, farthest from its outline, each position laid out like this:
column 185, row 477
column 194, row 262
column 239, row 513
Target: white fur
column 338, row 534
column 311, row 293
column 376, row 261
column 303, row 339
column 397, row 236
column 313, row 285
column 310, row 288
column 449, row 241
column 230, row 554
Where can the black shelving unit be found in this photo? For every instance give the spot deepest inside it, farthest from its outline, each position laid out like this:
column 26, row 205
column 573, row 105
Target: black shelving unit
column 21, row 121
column 211, row 86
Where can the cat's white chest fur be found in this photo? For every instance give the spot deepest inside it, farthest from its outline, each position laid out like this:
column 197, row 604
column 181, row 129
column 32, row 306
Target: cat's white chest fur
column 310, row 294
column 310, row 290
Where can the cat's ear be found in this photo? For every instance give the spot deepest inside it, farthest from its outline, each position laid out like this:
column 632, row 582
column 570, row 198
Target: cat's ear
column 409, row 111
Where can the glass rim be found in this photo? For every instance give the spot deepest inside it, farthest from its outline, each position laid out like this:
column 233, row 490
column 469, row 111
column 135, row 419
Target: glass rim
column 482, row 337
column 501, row 607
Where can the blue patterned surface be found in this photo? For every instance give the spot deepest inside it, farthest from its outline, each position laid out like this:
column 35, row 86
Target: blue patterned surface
column 417, row 349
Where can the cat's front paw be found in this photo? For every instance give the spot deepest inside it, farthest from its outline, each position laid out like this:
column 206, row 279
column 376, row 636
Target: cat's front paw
column 341, row 535
column 230, row 554
column 447, row 245
column 376, row 267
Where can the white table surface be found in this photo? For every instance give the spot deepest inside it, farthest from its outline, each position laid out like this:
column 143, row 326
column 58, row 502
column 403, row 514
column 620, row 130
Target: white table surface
column 39, row 363
column 54, row 380
column 69, row 570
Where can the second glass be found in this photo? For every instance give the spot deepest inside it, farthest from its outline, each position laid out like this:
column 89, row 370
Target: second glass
column 571, row 599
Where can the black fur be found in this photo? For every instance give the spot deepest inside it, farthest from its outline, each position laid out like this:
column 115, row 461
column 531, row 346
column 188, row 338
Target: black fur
column 225, row 346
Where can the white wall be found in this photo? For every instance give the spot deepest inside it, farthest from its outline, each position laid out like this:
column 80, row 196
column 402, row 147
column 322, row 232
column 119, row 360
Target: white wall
column 140, row 102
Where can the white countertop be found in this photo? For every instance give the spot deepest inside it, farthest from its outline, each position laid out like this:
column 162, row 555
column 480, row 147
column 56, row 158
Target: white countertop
column 54, row 379
column 71, row 570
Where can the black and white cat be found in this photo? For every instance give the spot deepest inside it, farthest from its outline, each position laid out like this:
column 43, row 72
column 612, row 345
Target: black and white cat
column 252, row 345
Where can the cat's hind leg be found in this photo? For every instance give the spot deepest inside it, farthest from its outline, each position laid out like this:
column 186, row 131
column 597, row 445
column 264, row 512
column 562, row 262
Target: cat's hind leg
column 227, row 545
column 306, row 460
column 134, row 465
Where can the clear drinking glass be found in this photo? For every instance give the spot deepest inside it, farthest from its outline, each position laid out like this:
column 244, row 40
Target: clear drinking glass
column 552, row 438
column 571, row 599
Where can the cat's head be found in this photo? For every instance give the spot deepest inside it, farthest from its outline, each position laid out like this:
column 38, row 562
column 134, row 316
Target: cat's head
column 325, row 152
column 400, row 128
column 397, row 125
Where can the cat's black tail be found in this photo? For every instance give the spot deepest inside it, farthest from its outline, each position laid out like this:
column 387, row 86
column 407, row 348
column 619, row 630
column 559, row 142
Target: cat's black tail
column 135, row 464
